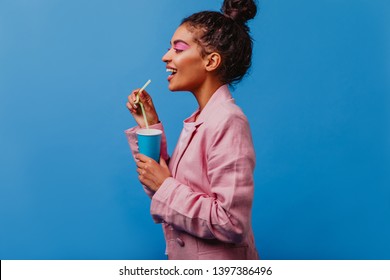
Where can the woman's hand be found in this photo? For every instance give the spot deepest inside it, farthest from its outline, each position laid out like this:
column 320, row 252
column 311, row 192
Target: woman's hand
column 135, row 109
column 152, row 174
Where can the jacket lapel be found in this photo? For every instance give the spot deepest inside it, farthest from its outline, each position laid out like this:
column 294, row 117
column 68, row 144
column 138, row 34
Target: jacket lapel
column 221, row 95
column 179, row 152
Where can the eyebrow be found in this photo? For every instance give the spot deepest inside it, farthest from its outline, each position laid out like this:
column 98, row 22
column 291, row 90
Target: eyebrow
column 179, row 41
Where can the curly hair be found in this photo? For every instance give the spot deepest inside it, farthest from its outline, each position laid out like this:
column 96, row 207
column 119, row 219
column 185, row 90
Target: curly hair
column 227, row 34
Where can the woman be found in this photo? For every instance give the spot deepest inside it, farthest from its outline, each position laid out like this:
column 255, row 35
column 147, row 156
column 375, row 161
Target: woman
column 203, row 196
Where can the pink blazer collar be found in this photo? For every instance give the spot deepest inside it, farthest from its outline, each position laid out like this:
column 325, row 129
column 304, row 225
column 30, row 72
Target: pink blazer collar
column 220, row 95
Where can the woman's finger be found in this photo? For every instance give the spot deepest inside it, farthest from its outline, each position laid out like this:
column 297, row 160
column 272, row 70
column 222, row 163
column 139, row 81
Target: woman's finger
column 143, row 158
column 130, row 101
column 141, row 171
column 147, row 182
column 131, row 108
column 140, row 164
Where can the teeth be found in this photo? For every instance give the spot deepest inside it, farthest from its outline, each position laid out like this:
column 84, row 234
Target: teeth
column 173, row 71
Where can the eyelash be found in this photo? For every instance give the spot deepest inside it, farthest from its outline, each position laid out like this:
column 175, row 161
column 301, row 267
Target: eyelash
column 176, row 50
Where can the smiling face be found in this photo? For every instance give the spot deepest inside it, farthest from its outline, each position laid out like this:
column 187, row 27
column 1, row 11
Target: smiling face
column 184, row 62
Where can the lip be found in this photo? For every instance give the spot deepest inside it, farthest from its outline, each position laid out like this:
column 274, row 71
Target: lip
column 169, row 68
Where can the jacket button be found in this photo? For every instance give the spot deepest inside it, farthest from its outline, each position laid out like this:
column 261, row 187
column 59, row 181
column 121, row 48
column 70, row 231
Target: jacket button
column 180, row 242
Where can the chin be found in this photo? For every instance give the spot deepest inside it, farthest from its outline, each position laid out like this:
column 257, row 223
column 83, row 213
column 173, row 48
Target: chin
column 172, row 87
column 182, row 87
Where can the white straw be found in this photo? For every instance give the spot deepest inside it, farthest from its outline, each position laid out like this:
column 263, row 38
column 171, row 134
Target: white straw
column 145, row 85
column 142, row 105
column 141, row 90
column 143, row 113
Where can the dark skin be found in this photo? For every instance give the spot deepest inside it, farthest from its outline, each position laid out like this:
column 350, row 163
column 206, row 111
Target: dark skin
column 151, row 173
column 187, row 61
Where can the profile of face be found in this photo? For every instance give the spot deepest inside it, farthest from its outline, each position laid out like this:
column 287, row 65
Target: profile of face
column 184, row 62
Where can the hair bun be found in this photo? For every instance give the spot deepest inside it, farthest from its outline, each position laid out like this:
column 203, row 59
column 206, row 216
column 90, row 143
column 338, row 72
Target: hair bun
column 239, row 10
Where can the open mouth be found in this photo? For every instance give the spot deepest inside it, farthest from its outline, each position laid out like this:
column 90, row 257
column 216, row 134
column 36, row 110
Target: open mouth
column 172, row 71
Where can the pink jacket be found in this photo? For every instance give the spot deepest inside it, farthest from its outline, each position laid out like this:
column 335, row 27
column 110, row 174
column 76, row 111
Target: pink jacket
column 205, row 207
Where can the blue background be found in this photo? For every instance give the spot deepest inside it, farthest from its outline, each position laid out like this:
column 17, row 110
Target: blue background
column 317, row 99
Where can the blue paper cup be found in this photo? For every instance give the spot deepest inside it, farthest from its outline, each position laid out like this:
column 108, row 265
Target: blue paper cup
column 149, row 142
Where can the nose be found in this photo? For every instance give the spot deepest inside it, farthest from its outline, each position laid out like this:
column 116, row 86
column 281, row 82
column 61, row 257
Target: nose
column 167, row 56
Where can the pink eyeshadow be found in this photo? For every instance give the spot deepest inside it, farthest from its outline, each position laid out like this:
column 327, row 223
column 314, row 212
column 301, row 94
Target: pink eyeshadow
column 181, row 46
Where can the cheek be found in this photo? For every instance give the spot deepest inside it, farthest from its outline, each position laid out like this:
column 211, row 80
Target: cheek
column 189, row 59
column 190, row 64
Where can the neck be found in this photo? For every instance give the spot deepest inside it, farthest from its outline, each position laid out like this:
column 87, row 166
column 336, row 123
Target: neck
column 205, row 91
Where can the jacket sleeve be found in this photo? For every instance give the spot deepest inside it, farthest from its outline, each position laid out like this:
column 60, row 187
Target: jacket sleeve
column 225, row 212
column 131, row 135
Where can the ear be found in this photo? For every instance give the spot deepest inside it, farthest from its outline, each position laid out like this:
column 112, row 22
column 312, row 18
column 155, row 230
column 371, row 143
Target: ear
column 213, row 61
